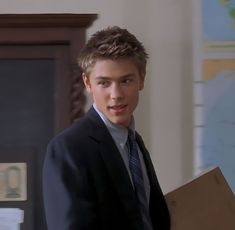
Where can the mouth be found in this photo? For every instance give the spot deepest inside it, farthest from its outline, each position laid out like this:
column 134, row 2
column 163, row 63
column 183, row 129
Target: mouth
column 117, row 108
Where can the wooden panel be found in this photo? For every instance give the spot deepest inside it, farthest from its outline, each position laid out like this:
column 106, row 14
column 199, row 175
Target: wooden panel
column 46, row 20
column 62, row 80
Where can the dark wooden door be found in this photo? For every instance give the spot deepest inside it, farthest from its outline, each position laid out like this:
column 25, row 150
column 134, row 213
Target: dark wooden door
column 35, row 105
column 41, row 93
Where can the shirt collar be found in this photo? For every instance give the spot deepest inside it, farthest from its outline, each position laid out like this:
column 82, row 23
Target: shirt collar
column 118, row 132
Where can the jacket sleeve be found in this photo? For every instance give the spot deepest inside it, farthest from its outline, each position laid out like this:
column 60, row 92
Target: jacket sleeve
column 67, row 194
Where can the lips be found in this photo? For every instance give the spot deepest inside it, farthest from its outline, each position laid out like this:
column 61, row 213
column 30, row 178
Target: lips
column 117, row 108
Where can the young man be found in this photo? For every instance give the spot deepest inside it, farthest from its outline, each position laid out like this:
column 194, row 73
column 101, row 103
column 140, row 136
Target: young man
column 98, row 174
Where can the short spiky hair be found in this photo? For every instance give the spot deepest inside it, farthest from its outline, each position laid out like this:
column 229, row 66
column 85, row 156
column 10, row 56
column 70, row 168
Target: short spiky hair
column 112, row 43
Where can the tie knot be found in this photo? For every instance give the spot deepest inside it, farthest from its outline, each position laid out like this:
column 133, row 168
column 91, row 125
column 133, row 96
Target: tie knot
column 131, row 140
column 131, row 135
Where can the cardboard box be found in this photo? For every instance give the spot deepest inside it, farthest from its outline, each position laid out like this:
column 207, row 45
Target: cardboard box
column 205, row 203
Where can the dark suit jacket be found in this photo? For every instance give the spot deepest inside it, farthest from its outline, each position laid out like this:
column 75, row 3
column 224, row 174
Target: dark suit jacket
column 86, row 185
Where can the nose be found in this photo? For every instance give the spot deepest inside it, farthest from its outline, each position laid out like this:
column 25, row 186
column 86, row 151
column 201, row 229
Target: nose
column 116, row 92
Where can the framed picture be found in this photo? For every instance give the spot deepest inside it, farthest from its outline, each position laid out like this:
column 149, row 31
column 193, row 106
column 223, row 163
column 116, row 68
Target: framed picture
column 13, row 181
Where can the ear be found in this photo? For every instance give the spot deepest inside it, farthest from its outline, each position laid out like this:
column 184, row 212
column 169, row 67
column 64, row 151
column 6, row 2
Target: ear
column 86, row 82
column 142, row 78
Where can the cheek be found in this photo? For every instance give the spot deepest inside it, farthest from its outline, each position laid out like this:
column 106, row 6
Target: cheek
column 141, row 86
column 100, row 95
column 133, row 97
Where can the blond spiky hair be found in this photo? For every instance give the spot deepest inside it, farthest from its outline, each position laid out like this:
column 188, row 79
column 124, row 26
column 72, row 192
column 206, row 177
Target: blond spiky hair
column 112, row 43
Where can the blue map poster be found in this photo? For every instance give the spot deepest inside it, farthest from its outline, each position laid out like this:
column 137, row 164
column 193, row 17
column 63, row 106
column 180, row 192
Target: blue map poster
column 218, row 25
column 218, row 136
column 215, row 77
column 218, row 20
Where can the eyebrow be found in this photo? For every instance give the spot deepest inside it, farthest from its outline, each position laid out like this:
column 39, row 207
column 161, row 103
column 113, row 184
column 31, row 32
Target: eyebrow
column 102, row 78
column 122, row 77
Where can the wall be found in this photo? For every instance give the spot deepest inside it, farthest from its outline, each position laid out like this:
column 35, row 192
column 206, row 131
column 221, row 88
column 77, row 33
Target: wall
column 164, row 116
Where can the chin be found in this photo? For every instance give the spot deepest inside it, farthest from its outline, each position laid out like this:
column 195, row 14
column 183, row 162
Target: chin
column 122, row 120
column 121, row 123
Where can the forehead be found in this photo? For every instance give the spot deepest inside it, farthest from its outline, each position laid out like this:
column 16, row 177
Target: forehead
column 119, row 67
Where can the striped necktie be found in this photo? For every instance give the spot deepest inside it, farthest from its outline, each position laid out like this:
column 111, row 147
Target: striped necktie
column 137, row 177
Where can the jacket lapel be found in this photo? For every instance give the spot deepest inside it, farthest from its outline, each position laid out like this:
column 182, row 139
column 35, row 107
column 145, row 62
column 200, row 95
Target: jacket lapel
column 158, row 208
column 116, row 168
column 147, row 161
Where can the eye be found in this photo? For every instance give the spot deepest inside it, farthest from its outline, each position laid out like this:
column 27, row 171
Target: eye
column 127, row 81
column 103, row 83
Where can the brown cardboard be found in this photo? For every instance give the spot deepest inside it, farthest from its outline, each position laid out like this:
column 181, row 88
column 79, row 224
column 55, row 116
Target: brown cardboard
column 205, row 203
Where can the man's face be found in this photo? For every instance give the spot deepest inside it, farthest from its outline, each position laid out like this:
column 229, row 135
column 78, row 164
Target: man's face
column 114, row 86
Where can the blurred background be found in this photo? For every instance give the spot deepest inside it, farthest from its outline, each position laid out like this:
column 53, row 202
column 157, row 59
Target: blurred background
column 164, row 116
column 182, row 38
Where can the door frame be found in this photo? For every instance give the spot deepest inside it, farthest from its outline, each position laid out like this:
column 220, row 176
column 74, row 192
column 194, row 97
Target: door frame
column 52, row 29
